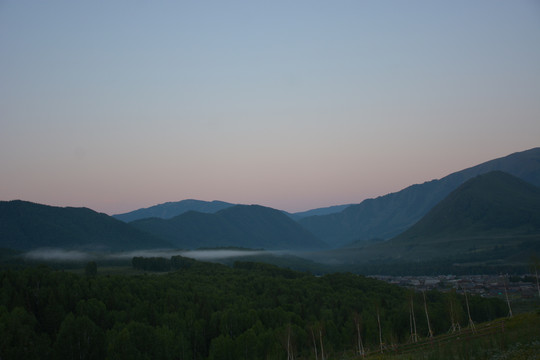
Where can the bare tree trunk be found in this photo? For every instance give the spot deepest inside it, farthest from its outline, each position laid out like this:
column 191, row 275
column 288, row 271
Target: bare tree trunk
column 289, row 355
column 507, row 299
column 314, row 343
column 455, row 324
column 380, row 330
column 412, row 320
column 471, row 323
column 322, row 348
column 359, row 335
column 537, row 283
column 508, row 302
column 410, row 324
column 427, row 316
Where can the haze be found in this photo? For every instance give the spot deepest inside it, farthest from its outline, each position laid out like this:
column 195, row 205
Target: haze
column 80, row 256
column 290, row 104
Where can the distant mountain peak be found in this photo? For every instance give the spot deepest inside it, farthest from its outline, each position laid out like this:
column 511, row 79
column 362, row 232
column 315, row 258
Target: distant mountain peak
column 389, row 215
column 491, row 218
column 247, row 226
column 171, row 209
column 494, row 202
column 26, row 225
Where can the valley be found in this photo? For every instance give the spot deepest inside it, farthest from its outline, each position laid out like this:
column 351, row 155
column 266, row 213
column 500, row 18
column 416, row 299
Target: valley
column 270, row 180
column 216, row 280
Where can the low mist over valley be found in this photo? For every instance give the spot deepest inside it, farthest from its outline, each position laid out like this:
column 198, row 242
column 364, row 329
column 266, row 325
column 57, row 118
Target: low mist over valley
column 486, row 216
column 274, row 180
column 61, row 255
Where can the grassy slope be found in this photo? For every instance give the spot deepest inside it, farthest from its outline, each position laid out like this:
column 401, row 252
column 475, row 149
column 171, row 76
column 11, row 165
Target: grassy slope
column 514, row 338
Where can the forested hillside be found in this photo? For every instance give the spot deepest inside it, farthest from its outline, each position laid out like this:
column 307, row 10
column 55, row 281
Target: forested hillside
column 493, row 218
column 210, row 311
column 495, row 203
column 25, row 225
column 249, row 226
column 387, row 216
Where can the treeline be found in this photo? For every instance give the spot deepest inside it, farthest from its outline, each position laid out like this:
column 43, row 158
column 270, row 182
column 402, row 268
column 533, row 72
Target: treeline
column 161, row 264
column 211, row 311
column 433, row 268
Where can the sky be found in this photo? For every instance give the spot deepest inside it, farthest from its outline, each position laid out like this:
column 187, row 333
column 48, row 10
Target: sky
column 119, row 105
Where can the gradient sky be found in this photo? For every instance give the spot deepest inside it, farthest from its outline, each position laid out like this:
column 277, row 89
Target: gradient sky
column 118, row 105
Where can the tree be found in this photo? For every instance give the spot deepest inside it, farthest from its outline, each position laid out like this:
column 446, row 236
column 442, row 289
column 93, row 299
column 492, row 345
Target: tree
column 121, row 347
column 94, row 309
column 90, row 269
column 79, row 338
column 222, row 348
column 135, row 341
column 535, row 264
column 18, row 338
column 246, row 345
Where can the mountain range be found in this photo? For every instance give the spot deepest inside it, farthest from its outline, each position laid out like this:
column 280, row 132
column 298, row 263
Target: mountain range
column 169, row 210
column 250, row 226
column 493, row 215
column 494, row 204
column 418, row 217
column 25, row 226
column 389, row 215
column 319, row 211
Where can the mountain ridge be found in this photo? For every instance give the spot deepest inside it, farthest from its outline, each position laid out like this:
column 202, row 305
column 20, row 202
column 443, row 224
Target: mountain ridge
column 326, row 210
column 250, row 226
column 26, row 225
column 388, row 215
column 171, row 209
column 492, row 203
column 493, row 216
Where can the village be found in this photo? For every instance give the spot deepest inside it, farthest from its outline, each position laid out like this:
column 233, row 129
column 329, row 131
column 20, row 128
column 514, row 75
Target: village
column 524, row 287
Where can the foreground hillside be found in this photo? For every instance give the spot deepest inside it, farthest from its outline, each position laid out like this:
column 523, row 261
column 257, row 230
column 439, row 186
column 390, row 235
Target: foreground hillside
column 514, row 338
column 25, row 225
column 389, row 215
column 210, row 311
column 249, row 226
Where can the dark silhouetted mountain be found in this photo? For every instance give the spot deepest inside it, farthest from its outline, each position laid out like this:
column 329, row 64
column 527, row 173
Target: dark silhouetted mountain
column 248, row 226
column 493, row 214
column 25, row 226
column 491, row 204
column 317, row 212
column 389, row 215
column 171, row 209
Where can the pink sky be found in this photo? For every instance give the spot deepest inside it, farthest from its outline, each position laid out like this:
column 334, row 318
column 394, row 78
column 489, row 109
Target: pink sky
column 118, row 106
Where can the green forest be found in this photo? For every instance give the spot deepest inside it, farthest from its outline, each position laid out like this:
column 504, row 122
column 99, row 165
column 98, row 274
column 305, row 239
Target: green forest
column 212, row 311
